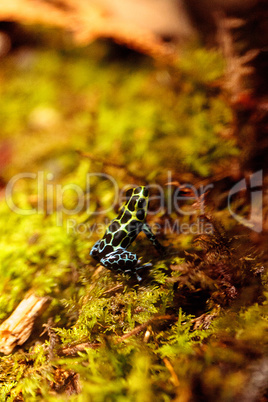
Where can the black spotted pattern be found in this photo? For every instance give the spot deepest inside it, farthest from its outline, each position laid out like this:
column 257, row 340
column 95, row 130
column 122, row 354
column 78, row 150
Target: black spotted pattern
column 119, row 236
column 125, row 242
column 108, row 238
column 132, row 203
column 114, row 226
column 126, row 217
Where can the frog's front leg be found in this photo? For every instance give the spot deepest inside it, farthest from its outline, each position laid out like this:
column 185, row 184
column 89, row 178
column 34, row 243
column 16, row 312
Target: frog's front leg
column 147, row 230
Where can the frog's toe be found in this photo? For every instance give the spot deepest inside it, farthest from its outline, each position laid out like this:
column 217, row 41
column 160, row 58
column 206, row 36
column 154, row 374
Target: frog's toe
column 141, row 268
column 139, row 278
column 149, row 264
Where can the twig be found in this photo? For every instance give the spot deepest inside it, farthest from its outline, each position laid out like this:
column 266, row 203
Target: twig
column 73, row 350
column 204, row 320
column 170, row 368
column 109, row 163
column 53, row 338
column 113, row 289
column 143, row 326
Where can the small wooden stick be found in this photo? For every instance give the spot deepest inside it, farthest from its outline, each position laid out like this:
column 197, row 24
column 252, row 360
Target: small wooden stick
column 17, row 328
column 173, row 374
column 143, row 326
column 73, row 350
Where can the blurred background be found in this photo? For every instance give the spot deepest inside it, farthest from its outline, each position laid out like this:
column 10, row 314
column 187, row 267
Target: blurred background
column 139, row 87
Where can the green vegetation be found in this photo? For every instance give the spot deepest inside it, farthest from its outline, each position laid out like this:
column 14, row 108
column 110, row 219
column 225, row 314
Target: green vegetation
column 71, row 113
column 68, row 101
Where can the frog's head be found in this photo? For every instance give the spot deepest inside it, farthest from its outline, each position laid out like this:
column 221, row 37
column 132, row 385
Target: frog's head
column 137, row 202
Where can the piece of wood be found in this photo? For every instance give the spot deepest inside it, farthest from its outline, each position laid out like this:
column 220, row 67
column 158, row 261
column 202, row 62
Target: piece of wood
column 86, row 21
column 17, row 328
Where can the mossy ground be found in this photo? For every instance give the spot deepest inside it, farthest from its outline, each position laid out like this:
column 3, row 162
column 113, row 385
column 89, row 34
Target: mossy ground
column 73, row 112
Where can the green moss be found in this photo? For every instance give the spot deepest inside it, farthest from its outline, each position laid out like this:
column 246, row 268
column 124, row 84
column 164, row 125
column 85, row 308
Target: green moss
column 84, row 104
column 137, row 121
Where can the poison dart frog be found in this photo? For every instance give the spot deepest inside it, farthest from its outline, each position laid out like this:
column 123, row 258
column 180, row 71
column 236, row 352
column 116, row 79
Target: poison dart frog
column 111, row 250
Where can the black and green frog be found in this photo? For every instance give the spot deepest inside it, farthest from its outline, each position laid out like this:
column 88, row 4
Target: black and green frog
column 111, row 250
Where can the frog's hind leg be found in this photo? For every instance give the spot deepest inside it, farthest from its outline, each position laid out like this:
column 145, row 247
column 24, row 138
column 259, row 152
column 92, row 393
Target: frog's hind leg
column 141, row 268
column 124, row 261
column 120, row 260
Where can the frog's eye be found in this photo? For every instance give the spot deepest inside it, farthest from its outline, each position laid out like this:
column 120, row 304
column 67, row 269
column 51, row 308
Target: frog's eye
column 145, row 192
column 141, row 203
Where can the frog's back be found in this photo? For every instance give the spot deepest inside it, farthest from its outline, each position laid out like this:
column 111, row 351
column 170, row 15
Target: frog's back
column 123, row 230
